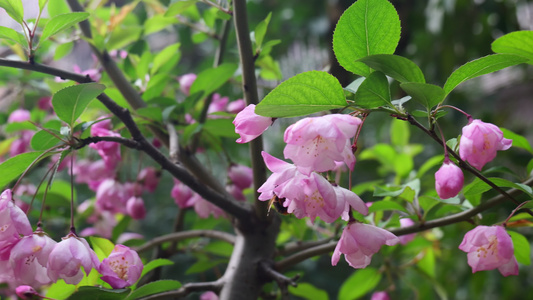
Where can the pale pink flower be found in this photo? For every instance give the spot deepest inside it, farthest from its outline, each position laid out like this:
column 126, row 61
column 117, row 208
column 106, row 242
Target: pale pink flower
column 13, row 224
column 6, row 274
column 29, row 258
column 488, row 248
column 121, row 268
column 282, row 173
column 236, row 192
column 19, row 115
column 381, row 295
column 186, row 82
column 209, row 295
column 240, row 176
column 127, row 236
column 406, row 238
column 109, row 151
column 449, row 180
column 103, row 224
column 315, row 144
column 149, row 178
column 112, row 196
column 92, row 172
column 135, row 208
column 249, row 125
column 236, row 106
column 67, row 258
column 480, row 141
column 22, row 144
column 218, row 103
column 359, row 242
column 182, row 194
column 93, row 74
column 205, row 208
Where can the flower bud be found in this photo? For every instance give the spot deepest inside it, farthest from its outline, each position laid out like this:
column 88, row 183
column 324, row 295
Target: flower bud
column 249, row 125
column 449, row 180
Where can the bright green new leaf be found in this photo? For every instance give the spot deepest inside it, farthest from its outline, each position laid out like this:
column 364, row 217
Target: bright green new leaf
column 518, row 140
column 93, row 292
column 102, row 247
column 164, row 57
column 60, row 290
column 478, row 187
column 14, row 9
column 399, row 133
column 57, row 7
column 260, row 31
column 481, row 66
column 518, row 42
column 154, row 287
column 522, row 248
column 427, row 263
column 13, row 35
column 158, row 23
column 156, row 263
column 179, row 7
column 373, row 92
column 69, row 103
column 13, row 167
column 42, row 4
column 397, row 67
column 62, row 22
column 210, row 80
column 43, row 140
column 308, row 291
column 303, row 94
column 359, row 283
column 366, row 28
column 426, row 94
column 386, row 205
column 62, row 50
column 221, row 127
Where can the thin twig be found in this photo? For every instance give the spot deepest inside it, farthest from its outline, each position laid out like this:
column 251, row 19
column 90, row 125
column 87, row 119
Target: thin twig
column 267, row 269
column 225, row 10
column 182, row 235
column 188, row 288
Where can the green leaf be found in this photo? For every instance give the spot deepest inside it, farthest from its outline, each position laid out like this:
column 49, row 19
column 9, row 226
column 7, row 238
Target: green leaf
column 427, row 263
column 43, row 140
column 13, row 167
column 426, row 94
column 14, row 9
column 63, row 50
column 518, row 140
column 518, row 42
column 96, row 293
column 373, row 92
column 57, row 7
column 158, row 23
column 210, row 80
column 478, row 187
column 102, row 247
column 221, row 127
column 397, row 67
column 42, row 4
column 164, row 57
column 354, row 85
column 522, row 249
column 366, row 28
column 13, row 35
column 179, row 7
column 308, row 291
column 386, row 205
column 62, row 22
column 156, row 263
column 303, row 94
column 120, row 227
column 399, row 133
column 153, row 288
column 60, row 290
column 69, row 103
column 203, row 265
column 260, row 31
column 359, row 283
column 481, row 66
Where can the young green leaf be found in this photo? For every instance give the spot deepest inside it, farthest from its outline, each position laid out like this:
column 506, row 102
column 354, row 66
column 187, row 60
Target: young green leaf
column 154, row 288
column 367, row 27
column 93, row 292
column 14, row 9
column 426, row 94
column 308, row 291
column 163, row 57
column 102, row 247
column 178, row 7
column 522, row 248
column 397, row 67
column 13, row 35
column 518, row 140
column 518, row 42
column 210, row 80
column 62, row 22
column 13, row 167
column 364, row 279
column 42, row 4
column 43, row 140
column 69, row 103
column 260, row 31
column 373, row 92
column 481, row 66
column 303, row 94
column 156, row 263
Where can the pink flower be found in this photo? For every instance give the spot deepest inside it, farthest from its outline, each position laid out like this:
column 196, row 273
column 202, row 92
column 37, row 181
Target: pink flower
column 13, row 223
column 236, row 192
column 315, row 144
column 359, row 242
column 480, row 141
column 404, row 239
column 209, row 295
column 67, row 258
column 19, row 115
column 241, row 176
column 121, row 268
column 149, row 177
column 29, row 258
column 22, row 144
column 112, row 196
column 488, row 248
column 236, row 106
column 205, row 208
column 218, row 103
column 186, row 82
column 45, row 103
column 92, row 173
column 381, row 295
column 109, row 151
column 93, row 74
column 449, row 180
column 182, row 194
column 26, row 292
column 250, row 125
column 135, row 208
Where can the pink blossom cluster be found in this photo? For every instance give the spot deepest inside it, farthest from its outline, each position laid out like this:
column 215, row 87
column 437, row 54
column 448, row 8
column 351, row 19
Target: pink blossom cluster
column 478, row 145
column 22, row 143
column 33, row 259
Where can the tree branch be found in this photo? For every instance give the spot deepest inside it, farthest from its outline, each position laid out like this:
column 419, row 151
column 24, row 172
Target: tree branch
column 267, row 268
column 249, row 87
column 188, row 288
column 182, row 235
column 96, row 139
